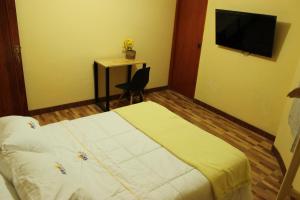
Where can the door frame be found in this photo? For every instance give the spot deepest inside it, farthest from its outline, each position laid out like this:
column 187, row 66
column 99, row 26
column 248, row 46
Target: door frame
column 173, row 44
column 16, row 64
column 171, row 69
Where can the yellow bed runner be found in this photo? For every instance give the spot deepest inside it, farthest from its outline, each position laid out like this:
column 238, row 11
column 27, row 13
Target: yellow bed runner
column 225, row 167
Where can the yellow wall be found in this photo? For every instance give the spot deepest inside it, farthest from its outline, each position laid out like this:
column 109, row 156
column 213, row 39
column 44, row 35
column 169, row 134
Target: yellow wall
column 250, row 88
column 61, row 38
column 284, row 138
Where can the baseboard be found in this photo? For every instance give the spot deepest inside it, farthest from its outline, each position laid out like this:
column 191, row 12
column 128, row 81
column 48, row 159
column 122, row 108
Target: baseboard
column 156, row 89
column 236, row 120
column 60, row 107
column 84, row 103
column 279, row 159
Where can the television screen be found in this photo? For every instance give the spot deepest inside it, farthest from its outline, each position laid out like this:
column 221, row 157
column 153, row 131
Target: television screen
column 249, row 32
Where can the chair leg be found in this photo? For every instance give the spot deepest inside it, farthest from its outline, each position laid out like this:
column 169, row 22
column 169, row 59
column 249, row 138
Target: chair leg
column 131, row 98
column 141, row 96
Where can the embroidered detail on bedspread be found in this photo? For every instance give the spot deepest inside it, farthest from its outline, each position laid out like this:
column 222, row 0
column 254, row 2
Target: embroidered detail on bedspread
column 32, row 125
column 83, row 155
column 60, row 168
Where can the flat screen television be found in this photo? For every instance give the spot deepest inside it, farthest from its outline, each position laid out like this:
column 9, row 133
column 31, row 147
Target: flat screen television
column 249, row 32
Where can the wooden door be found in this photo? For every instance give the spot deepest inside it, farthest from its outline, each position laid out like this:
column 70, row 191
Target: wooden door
column 12, row 89
column 187, row 41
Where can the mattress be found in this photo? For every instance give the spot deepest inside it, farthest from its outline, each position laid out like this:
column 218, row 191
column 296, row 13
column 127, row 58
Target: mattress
column 120, row 162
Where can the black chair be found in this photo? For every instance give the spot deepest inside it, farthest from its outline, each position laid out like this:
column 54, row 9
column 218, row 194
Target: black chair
column 136, row 85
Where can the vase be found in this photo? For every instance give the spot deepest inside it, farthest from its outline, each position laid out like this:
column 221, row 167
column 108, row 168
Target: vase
column 130, row 54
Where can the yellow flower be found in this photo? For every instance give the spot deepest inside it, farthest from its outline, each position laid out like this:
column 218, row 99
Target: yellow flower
column 128, row 44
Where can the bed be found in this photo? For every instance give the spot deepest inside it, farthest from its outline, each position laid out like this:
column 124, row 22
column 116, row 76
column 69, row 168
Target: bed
column 106, row 156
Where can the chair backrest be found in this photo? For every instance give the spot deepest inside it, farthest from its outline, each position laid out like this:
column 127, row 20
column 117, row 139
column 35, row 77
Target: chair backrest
column 140, row 79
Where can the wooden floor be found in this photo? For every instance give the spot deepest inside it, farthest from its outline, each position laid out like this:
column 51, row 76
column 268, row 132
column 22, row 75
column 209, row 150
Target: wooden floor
column 266, row 174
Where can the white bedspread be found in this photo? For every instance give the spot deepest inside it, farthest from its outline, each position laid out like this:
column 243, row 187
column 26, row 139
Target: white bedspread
column 123, row 163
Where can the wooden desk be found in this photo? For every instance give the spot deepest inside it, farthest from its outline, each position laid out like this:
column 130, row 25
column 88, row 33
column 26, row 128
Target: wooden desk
column 107, row 64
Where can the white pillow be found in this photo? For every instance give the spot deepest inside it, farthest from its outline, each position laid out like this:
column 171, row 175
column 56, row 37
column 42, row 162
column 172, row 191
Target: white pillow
column 33, row 141
column 35, row 175
column 16, row 123
column 4, row 169
column 7, row 191
column 42, row 176
column 19, row 134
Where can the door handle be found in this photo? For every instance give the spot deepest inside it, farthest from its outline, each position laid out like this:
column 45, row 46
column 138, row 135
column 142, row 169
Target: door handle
column 17, row 52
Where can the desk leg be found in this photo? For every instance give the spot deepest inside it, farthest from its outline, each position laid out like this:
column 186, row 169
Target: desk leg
column 107, row 88
column 96, row 81
column 143, row 91
column 129, row 69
